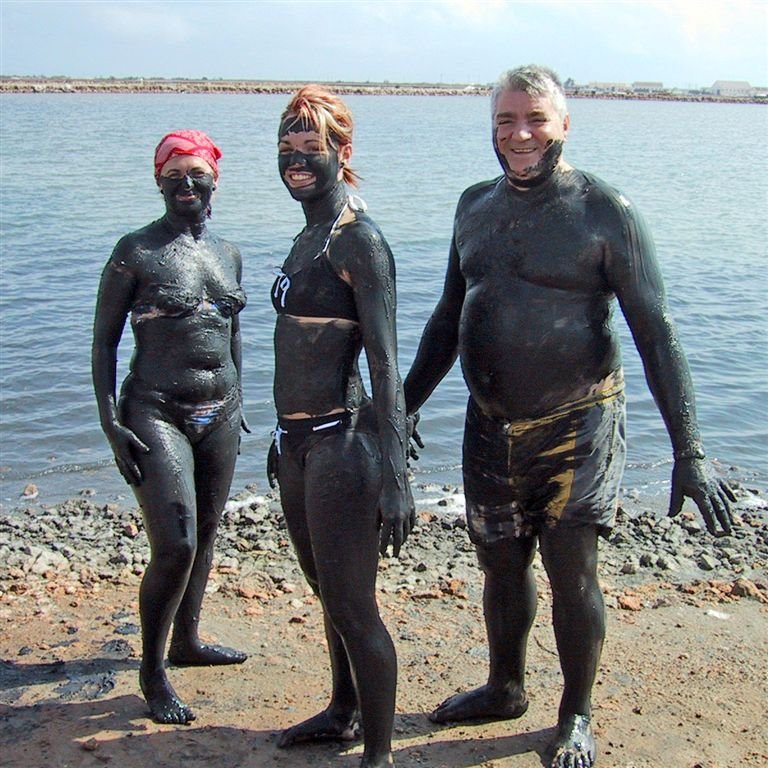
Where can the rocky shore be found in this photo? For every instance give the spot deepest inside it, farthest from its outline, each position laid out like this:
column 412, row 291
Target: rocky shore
column 681, row 681
column 162, row 85
column 27, row 84
column 81, row 541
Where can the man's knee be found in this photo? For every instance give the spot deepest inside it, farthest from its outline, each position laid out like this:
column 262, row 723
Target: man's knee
column 506, row 557
column 569, row 555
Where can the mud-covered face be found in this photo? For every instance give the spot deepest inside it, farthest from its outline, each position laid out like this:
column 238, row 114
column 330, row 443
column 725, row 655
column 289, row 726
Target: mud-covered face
column 528, row 137
column 187, row 183
column 307, row 169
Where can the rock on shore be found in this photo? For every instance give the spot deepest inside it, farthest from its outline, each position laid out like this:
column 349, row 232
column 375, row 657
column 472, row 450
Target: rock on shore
column 80, row 543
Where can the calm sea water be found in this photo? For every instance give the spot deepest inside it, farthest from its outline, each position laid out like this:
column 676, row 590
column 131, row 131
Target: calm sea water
column 77, row 174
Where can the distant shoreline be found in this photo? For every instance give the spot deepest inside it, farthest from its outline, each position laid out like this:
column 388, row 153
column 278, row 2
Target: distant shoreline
column 37, row 85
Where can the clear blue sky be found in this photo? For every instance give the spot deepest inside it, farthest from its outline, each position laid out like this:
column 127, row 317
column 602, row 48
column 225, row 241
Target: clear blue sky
column 682, row 43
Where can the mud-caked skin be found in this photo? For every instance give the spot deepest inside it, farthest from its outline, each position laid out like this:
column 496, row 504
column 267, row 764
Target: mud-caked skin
column 175, row 430
column 538, row 260
column 340, row 455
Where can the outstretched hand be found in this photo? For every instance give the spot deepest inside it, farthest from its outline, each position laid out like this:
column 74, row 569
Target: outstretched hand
column 713, row 496
column 398, row 518
column 125, row 444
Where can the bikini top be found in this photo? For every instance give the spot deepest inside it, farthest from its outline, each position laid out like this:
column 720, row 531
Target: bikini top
column 316, row 290
column 172, row 301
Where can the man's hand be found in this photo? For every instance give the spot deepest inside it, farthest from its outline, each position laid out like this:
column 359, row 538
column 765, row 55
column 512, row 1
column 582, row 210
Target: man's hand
column 398, row 517
column 124, row 444
column 713, row 497
column 413, row 436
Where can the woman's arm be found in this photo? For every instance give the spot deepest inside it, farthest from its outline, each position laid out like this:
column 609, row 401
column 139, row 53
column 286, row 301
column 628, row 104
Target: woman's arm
column 112, row 306
column 236, row 341
column 366, row 262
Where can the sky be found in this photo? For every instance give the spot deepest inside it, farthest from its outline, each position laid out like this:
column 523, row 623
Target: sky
column 681, row 43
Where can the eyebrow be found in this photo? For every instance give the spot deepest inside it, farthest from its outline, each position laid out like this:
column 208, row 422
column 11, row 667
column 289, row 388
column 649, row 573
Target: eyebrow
column 286, row 142
column 532, row 113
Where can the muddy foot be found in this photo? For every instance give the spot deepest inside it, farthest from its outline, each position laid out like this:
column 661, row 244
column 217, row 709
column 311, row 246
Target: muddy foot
column 164, row 703
column 322, row 727
column 480, row 704
column 201, row 655
column 574, row 746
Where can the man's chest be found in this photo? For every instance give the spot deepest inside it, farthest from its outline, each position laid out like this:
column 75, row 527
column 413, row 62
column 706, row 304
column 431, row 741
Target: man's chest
column 553, row 246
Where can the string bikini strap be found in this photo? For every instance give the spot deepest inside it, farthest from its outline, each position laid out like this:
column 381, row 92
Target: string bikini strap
column 354, row 203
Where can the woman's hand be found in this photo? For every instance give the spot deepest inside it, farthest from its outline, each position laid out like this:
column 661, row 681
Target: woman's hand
column 397, row 513
column 125, row 444
column 272, row 459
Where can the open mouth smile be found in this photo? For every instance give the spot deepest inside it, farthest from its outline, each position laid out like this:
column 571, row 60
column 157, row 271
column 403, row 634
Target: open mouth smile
column 300, row 178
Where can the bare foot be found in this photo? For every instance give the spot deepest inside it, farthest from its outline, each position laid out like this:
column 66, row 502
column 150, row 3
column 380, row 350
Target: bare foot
column 481, row 704
column 201, row 655
column 163, row 701
column 574, row 746
column 323, row 727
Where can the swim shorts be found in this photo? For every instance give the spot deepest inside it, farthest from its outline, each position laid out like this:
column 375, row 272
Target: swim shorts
column 563, row 468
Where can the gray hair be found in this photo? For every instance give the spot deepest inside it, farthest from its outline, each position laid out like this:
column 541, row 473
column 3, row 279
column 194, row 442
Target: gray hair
column 535, row 81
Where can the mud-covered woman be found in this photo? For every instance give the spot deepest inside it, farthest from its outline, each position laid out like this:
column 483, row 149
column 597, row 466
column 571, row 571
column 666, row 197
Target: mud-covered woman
column 339, row 456
column 175, row 429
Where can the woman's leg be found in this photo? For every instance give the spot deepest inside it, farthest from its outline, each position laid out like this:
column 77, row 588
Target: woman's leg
column 343, row 482
column 167, row 498
column 340, row 720
column 214, row 457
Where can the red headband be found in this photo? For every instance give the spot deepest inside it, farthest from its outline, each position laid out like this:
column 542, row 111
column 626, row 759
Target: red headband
column 187, row 142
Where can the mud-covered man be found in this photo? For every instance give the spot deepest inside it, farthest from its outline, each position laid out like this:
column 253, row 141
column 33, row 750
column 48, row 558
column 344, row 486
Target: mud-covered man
column 537, row 258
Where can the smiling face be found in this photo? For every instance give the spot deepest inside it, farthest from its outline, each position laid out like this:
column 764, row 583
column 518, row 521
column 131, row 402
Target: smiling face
column 308, row 169
column 528, row 136
column 187, row 184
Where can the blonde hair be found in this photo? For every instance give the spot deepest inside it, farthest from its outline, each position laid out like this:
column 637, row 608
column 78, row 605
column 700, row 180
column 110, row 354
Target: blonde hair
column 329, row 115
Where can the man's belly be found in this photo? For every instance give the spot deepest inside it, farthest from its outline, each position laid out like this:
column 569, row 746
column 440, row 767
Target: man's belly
column 522, row 360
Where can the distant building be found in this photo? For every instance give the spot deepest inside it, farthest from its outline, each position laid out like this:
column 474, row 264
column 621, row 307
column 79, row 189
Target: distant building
column 608, row 87
column 731, row 88
column 649, row 87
